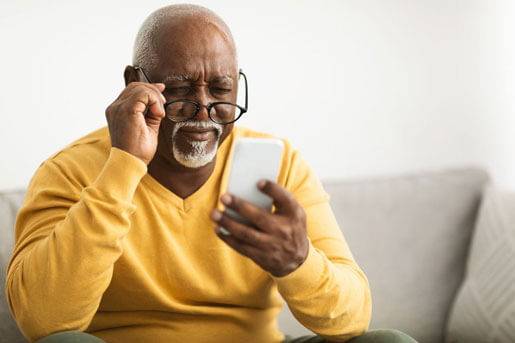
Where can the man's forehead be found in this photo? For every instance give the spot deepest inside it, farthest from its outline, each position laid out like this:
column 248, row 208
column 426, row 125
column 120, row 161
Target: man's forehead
column 184, row 36
column 209, row 58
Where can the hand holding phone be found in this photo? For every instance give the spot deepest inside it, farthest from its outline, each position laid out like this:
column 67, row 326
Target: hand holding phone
column 277, row 242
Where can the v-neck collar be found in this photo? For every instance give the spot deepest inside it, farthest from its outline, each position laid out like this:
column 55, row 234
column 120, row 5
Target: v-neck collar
column 222, row 156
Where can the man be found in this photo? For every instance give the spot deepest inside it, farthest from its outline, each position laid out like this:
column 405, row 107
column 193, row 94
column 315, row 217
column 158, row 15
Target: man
column 119, row 235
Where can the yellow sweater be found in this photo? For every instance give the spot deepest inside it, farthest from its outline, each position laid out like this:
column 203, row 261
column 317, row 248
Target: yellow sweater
column 103, row 247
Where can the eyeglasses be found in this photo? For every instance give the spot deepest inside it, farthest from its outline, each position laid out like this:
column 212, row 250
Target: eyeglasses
column 220, row 112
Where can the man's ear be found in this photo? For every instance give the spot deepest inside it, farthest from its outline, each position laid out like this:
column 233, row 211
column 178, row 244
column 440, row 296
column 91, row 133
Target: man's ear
column 130, row 75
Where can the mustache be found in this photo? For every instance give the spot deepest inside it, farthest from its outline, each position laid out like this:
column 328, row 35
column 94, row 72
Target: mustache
column 209, row 125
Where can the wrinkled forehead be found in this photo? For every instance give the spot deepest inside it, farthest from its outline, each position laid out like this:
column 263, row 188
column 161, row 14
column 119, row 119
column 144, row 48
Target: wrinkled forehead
column 195, row 46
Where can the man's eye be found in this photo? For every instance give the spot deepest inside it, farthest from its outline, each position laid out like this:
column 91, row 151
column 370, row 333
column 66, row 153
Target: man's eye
column 220, row 90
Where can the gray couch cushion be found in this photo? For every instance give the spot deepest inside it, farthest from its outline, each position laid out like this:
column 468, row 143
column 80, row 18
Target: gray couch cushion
column 484, row 310
column 410, row 235
column 9, row 203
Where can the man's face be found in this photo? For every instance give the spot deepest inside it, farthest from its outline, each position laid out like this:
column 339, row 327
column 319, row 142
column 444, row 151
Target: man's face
column 196, row 62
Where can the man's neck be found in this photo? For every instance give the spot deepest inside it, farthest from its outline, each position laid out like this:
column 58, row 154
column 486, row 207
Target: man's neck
column 178, row 179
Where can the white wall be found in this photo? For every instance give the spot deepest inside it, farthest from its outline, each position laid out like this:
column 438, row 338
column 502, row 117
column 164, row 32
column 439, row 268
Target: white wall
column 361, row 87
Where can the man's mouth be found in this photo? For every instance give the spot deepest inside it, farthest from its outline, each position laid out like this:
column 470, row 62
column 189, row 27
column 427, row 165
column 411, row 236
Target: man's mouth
column 197, row 134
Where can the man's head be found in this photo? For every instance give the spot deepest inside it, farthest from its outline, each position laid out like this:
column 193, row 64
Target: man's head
column 191, row 50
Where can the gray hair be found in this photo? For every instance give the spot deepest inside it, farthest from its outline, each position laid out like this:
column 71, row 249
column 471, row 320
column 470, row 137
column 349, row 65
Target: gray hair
column 145, row 45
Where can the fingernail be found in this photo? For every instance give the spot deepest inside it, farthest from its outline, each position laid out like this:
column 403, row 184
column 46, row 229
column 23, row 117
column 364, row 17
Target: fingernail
column 224, row 231
column 226, row 199
column 261, row 183
column 216, row 215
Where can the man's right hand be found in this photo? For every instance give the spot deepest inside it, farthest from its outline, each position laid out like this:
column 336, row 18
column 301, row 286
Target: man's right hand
column 134, row 118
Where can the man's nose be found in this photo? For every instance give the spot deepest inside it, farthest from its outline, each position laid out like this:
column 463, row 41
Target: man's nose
column 203, row 100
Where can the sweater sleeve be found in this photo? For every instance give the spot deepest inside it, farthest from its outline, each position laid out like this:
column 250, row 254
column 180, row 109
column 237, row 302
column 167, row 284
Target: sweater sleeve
column 329, row 294
column 68, row 238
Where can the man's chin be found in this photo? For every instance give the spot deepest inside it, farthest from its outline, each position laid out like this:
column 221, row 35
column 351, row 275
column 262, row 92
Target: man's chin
column 198, row 155
column 193, row 162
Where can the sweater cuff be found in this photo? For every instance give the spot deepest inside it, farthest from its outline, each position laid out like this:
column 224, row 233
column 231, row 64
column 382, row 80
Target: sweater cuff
column 305, row 277
column 121, row 175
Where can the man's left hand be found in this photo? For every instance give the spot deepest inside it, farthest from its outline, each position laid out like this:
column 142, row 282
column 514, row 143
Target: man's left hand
column 277, row 241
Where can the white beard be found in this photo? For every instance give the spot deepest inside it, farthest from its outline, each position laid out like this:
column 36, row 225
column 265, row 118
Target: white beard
column 200, row 153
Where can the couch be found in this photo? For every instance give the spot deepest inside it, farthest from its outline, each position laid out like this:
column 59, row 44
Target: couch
column 410, row 234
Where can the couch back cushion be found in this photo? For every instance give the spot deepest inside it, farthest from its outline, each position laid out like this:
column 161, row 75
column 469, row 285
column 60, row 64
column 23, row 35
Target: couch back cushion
column 9, row 204
column 411, row 235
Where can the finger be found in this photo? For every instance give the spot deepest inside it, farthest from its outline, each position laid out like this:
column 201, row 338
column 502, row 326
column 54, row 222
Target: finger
column 156, row 110
column 146, row 101
column 256, row 215
column 251, row 252
column 155, row 89
column 135, row 87
column 158, row 88
column 283, row 200
column 131, row 89
column 243, row 233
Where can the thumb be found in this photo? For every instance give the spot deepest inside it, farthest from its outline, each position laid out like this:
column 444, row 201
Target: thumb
column 154, row 114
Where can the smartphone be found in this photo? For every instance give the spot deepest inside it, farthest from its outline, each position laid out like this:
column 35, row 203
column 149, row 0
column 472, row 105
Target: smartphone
column 254, row 159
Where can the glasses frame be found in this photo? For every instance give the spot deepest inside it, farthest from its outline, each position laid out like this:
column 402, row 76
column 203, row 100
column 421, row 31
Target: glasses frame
column 198, row 106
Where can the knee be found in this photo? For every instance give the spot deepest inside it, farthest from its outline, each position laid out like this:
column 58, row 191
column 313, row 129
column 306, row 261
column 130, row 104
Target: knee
column 70, row 337
column 384, row 336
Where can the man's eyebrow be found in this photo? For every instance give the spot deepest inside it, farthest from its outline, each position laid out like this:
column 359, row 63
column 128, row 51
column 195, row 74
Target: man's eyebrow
column 177, row 77
column 222, row 78
column 189, row 77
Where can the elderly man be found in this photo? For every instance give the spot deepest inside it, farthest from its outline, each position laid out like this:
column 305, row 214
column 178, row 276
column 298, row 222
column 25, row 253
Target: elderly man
column 119, row 235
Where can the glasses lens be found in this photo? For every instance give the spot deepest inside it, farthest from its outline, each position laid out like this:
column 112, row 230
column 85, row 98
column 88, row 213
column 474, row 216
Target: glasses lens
column 224, row 113
column 180, row 110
